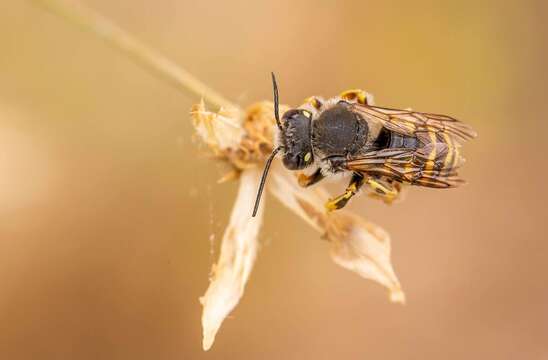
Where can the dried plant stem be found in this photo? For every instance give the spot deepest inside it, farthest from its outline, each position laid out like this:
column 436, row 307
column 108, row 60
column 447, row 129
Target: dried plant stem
column 135, row 50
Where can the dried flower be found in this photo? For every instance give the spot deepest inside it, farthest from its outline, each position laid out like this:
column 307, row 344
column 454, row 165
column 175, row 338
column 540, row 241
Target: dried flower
column 244, row 140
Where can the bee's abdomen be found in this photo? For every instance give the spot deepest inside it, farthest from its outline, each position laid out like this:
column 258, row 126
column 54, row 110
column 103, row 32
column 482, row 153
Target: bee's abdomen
column 402, row 141
column 392, row 140
column 438, row 159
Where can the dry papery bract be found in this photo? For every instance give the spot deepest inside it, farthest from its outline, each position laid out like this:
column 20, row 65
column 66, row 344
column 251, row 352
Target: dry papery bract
column 243, row 139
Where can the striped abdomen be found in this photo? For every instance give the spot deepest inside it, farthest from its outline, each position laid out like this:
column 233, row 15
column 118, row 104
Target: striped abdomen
column 437, row 159
column 430, row 158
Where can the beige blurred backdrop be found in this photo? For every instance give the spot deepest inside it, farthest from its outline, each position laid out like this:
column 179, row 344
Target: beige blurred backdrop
column 110, row 215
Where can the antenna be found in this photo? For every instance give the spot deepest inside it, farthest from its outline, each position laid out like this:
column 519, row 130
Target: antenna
column 263, row 179
column 271, row 157
column 276, row 102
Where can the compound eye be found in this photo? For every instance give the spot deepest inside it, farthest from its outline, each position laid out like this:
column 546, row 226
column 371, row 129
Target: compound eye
column 297, row 114
column 290, row 114
column 291, row 161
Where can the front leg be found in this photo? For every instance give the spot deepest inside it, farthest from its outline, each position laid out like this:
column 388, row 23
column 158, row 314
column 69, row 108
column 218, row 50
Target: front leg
column 315, row 101
column 307, row 180
column 340, row 201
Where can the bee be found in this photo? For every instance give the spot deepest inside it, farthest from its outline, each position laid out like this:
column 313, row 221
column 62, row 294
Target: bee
column 382, row 148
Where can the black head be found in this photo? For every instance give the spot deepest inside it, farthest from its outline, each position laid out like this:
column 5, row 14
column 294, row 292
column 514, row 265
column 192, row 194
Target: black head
column 295, row 138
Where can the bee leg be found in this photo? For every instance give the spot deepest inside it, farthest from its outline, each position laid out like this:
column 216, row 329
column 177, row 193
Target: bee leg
column 388, row 194
column 315, row 102
column 307, row 180
column 340, row 201
column 360, row 96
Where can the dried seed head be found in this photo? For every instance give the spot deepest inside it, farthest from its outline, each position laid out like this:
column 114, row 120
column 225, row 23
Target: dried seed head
column 245, row 141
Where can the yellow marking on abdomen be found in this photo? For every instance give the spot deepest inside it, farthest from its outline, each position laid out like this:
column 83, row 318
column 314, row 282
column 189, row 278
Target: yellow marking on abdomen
column 432, row 156
column 448, row 163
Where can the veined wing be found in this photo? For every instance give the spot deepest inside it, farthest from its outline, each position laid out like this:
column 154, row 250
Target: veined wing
column 413, row 123
column 409, row 166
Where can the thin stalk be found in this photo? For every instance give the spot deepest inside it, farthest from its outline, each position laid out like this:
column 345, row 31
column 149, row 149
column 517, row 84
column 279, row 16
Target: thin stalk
column 134, row 49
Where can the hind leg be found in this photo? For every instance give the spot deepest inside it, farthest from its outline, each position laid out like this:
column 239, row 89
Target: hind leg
column 384, row 190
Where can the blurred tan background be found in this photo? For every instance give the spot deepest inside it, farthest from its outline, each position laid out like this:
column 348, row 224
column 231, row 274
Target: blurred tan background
column 107, row 206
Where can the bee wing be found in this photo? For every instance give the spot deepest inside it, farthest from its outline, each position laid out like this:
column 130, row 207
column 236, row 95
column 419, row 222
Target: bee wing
column 412, row 123
column 407, row 166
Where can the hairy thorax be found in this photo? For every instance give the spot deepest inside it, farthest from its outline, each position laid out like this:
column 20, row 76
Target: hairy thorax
column 338, row 133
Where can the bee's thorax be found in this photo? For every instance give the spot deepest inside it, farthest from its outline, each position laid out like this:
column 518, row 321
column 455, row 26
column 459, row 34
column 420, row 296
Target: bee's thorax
column 338, row 133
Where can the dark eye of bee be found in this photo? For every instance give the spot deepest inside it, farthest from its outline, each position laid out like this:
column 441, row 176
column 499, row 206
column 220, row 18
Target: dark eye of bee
column 291, row 115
